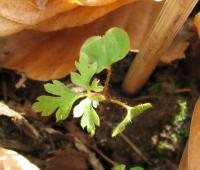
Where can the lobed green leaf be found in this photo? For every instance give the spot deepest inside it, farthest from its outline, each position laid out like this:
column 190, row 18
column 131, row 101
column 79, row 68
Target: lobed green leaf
column 86, row 72
column 61, row 103
column 90, row 119
column 85, row 108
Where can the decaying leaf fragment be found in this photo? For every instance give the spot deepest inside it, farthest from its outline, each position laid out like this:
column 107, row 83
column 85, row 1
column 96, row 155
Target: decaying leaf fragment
column 52, row 15
column 197, row 23
column 40, row 4
column 11, row 160
column 184, row 160
column 8, row 27
column 94, row 2
column 78, row 16
column 190, row 158
column 24, row 12
column 194, row 139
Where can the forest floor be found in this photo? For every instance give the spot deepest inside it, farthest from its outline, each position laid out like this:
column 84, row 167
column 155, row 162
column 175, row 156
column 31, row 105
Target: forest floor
column 154, row 140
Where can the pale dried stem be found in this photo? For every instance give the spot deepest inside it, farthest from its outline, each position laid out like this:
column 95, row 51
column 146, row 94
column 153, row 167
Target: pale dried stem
column 170, row 20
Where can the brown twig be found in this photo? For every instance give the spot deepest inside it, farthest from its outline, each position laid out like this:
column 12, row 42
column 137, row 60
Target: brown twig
column 183, row 90
column 131, row 144
column 112, row 162
column 144, row 98
column 21, row 82
column 91, row 156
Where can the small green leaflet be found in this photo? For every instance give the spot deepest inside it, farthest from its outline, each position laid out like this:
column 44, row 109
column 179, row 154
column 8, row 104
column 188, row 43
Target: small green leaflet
column 61, row 102
column 86, row 70
column 123, row 167
column 90, row 118
column 132, row 113
column 95, row 86
column 120, row 167
column 106, row 50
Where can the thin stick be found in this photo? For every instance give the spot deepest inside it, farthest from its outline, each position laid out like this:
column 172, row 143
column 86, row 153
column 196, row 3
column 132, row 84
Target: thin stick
column 168, row 23
column 112, row 162
column 131, row 144
column 98, row 151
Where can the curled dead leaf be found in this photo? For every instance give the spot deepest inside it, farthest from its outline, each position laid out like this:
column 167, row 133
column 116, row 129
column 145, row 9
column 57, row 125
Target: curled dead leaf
column 72, row 16
column 8, row 27
column 175, row 52
column 78, row 16
column 24, row 12
column 41, row 4
column 190, row 158
column 177, row 49
column 184, row 160
column 14, row 161
column 94, row 2
column 197, row 23
column 194, row 139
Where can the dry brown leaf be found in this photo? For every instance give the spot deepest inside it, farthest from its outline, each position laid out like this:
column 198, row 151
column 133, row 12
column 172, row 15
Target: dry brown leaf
column 190, row 158
column 24, row 12
column 34, row 53
column 197, row 23
column 8, row 27
column 180, row 44
column 194, row 139
column 46, row 56
column 78, row 16
column 94, row 2
column 11, row 160
column 75, row 17
column 68, row 159
column 41, row 4
column 175, row 52
column 184, row 160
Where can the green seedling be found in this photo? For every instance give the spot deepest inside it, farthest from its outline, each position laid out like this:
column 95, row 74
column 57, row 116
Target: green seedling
column 123, row 167
column 96, row 54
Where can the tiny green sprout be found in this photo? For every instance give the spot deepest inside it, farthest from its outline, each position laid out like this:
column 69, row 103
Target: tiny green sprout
column 96, row 54
column 123, row 167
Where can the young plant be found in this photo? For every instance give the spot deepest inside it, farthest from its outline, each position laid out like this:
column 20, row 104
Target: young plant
column 96, row 54
column 123, row 167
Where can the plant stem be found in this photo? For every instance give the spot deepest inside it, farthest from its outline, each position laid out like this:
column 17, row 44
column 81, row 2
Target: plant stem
column 119, row 103
column 105, row 90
